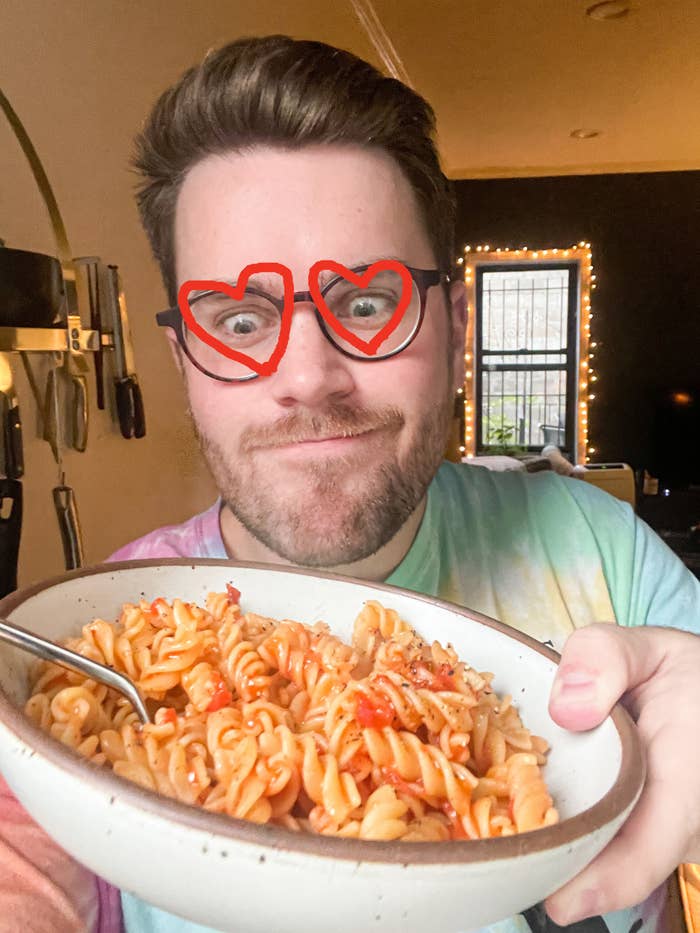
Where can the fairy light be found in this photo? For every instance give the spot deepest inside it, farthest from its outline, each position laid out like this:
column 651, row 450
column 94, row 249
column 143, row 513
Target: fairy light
column 581, row 253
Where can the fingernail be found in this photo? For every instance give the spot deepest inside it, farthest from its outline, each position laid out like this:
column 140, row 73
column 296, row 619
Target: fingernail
column 574, row 685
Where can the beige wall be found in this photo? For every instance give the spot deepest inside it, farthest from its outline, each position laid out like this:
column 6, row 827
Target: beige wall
column 82, row 75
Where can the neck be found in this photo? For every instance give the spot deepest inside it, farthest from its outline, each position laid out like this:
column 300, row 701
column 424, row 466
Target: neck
column 242, row 545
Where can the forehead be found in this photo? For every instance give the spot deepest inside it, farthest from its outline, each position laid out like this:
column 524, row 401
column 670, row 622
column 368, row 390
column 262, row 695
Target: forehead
column 295, row 207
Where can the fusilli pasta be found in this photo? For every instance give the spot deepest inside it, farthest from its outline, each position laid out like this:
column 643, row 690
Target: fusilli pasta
column 276, row 721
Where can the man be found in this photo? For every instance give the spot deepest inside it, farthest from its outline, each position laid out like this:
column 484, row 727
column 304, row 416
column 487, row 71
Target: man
column 295, row 203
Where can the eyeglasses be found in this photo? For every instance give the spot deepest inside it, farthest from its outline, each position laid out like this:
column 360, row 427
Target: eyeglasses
column 238, row 331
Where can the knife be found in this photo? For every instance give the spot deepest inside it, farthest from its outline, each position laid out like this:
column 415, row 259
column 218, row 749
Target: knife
column 132, row 418
column 10, row 533
column 11, row 423
column 93, row 266
column 76, row 369
column 10, row 487
column 63, row 495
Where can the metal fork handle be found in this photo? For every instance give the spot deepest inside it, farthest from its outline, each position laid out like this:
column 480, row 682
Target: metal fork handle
column 49, row 651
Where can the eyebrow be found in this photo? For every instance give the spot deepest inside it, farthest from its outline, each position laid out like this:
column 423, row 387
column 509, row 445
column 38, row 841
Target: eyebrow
column 264, row 281
column 260, row 279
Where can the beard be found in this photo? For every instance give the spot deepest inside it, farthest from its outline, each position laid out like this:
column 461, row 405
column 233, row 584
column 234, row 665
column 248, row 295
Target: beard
column 339, row 509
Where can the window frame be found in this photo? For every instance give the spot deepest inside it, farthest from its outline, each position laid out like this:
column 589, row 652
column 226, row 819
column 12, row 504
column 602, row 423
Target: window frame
column 571, row 366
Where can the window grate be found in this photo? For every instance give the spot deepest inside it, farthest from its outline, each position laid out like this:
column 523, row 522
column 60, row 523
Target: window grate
column 526, row 355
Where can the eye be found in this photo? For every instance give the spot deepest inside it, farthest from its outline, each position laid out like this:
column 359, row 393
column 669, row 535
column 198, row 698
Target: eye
column 245, row 322
column 365, row 309
column 242, row 323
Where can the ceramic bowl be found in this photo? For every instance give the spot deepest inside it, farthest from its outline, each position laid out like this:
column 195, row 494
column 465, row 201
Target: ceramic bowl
column 234, row 875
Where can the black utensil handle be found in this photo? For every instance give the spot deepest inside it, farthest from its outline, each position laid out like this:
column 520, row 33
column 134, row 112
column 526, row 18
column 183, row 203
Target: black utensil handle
column 99, row 380
column 69, row 526
column 139, row 411
column 125, row 406
column 14, row 454
column 10, row 533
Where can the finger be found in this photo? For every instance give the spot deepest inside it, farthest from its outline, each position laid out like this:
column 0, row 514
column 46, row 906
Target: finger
column 599, row 664
column 618, row 877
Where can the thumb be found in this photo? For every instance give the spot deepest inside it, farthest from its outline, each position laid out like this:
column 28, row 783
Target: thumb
column 599, row 664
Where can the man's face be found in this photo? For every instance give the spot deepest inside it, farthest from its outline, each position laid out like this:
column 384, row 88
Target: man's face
column 324, row 460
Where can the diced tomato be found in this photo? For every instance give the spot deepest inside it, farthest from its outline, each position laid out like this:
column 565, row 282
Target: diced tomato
column 445, row 676
column 221, row 697
column 169, row 715
column 157, row 607
column 375, row 713
column 234, row 595
column 422, row 677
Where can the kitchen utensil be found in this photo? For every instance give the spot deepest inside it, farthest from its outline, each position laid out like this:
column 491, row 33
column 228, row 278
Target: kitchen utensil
column 31, row 289
column 132, row 419
column 68, row 524
column 11, row 422
column 76, row 369
column 92, row 265
column 63, row 495
column 49, row 651
column 10, row 487
column 10, row 533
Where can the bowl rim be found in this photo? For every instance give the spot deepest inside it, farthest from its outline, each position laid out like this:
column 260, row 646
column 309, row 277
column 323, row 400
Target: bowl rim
column 621, row 795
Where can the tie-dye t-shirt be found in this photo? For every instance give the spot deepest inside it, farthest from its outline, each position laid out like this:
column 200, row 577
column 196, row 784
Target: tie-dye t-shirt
column 542, row 553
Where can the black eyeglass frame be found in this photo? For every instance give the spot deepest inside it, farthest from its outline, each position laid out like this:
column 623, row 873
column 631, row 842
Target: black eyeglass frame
column 423, row 279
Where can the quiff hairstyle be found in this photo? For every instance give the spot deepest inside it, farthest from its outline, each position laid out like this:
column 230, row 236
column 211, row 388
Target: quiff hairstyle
column 278, row 91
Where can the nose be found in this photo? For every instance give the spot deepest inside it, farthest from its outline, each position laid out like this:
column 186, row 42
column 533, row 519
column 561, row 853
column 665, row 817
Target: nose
column 312, row 371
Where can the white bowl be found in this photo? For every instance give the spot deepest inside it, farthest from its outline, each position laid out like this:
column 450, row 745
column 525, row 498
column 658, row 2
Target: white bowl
column 234, row 875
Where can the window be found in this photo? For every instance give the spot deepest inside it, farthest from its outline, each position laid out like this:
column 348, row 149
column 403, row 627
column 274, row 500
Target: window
column 526, row 327
column 528, row 353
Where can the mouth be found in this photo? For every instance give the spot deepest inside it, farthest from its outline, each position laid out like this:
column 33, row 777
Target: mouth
column 325, row 443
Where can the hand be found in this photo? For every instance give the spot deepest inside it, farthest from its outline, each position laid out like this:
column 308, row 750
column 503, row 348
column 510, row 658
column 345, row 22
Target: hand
column 657, row 673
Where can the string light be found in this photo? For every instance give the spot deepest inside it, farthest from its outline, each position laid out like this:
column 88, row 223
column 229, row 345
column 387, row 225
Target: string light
column 582, row 254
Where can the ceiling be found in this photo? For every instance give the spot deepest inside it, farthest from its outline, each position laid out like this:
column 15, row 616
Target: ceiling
column 509, row 79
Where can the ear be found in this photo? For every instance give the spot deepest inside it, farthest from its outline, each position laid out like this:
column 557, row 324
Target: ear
column 457, row 309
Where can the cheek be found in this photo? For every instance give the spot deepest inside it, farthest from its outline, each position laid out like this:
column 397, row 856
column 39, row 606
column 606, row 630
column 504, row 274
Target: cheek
column 413, row 382
column 217, row 408
column 418, row 377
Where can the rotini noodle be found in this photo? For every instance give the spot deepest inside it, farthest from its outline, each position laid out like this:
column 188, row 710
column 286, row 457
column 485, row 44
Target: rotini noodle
column 390, row 738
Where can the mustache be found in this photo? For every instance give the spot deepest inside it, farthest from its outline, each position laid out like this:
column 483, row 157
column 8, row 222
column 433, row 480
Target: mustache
column 336, row 421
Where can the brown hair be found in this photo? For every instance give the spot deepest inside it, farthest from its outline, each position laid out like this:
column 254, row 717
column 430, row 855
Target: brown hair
column 275, row 90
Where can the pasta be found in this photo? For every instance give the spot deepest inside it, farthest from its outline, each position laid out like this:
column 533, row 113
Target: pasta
column 390, row 738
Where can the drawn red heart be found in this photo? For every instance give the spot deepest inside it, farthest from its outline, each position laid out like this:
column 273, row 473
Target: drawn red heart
column 370, row 347
column 269, row 366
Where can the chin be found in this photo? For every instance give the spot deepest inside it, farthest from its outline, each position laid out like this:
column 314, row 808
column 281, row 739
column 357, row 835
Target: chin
column 325, row 521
